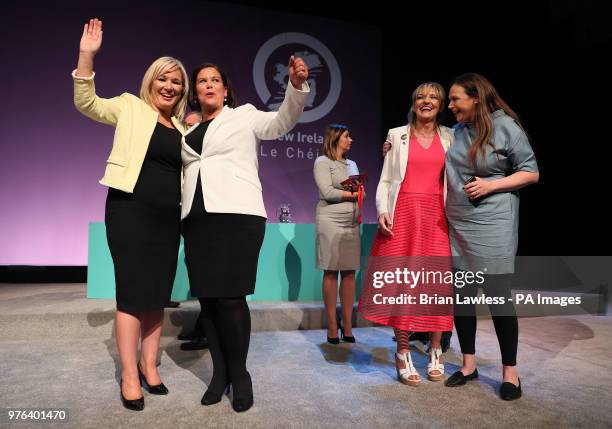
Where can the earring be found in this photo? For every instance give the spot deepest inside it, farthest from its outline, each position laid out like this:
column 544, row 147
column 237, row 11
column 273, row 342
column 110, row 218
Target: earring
column 224, row 100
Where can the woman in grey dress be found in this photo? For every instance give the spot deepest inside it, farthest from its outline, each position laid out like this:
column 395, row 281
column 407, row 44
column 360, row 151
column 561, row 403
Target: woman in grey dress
column 338, row 240
column 491, row 159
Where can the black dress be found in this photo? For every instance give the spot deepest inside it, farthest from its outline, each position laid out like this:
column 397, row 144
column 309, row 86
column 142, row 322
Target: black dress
column 221, row 249
column 142, row 228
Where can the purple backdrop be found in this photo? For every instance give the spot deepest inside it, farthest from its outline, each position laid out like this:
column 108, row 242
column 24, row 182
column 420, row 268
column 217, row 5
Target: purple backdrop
column 53, row 157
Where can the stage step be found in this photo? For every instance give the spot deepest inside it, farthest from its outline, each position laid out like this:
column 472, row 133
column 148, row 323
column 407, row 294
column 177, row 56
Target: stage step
column 62, row 311
column 29, row 312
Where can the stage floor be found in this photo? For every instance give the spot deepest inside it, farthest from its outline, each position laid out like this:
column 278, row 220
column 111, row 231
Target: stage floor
column 299, row 379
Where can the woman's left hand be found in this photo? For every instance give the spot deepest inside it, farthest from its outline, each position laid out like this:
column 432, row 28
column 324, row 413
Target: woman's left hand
column 298, row 72
column 479, row 188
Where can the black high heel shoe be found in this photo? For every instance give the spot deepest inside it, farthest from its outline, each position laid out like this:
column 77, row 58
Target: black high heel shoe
column 211, row 397
column 158, row 389
column 346, row 338
column 131, row 404
column 333, row 340
column 242, row 401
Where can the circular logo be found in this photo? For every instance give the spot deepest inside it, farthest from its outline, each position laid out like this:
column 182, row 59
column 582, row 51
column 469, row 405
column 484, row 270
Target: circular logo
column 271, row 76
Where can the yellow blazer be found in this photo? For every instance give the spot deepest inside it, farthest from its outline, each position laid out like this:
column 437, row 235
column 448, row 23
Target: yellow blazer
column 134, row 122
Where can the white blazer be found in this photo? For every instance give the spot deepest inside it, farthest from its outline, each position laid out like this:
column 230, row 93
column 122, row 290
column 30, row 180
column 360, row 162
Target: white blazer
column 394, row 167
column 228, row 164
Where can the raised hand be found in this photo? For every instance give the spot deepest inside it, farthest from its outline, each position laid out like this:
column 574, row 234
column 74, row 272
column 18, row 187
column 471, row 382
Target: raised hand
column 91, row 40
column 298, row 71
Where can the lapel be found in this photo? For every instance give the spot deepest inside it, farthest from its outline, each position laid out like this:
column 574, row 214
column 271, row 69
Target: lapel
column 212, row 128
column 444, row 138
column 186, row 146
column 151, row 124
column 404, row 146
column 178, row 125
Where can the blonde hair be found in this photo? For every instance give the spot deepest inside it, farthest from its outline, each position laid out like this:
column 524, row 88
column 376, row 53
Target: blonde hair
column 160, row 66
column 439, row 89
column 332, row 136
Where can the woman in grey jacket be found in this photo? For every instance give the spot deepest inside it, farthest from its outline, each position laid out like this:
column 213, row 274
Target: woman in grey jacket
column 491, row 159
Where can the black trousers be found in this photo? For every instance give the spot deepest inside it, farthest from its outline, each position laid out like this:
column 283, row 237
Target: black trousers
column 504, row 317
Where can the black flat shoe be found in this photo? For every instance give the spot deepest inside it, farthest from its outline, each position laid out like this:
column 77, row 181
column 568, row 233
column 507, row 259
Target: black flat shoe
column 458, row 379
column 195, row 344
column 131, row 404
column 158, row 389
column 510, row 392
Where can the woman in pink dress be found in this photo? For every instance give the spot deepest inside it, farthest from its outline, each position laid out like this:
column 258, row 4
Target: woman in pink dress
column 413, row 231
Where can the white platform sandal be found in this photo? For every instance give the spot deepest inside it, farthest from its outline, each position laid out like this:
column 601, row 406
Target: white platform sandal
column 404, row 374
column 435, row 365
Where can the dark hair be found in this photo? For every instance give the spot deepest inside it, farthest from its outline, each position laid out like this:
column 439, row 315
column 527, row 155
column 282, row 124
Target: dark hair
column 230, row 101
column 333, row 132
column 479, row 87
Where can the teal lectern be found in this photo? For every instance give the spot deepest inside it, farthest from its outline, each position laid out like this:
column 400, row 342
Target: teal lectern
column 287, row 264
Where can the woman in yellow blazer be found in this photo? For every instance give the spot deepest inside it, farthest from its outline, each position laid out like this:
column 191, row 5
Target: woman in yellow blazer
column 143, row 175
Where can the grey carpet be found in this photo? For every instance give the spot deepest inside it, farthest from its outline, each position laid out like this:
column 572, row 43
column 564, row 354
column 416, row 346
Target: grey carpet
column 301, row 381
column 57, row 351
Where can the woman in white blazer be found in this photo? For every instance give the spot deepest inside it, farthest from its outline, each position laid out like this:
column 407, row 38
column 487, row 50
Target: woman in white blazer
column 224, row 216
column 412, row 223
